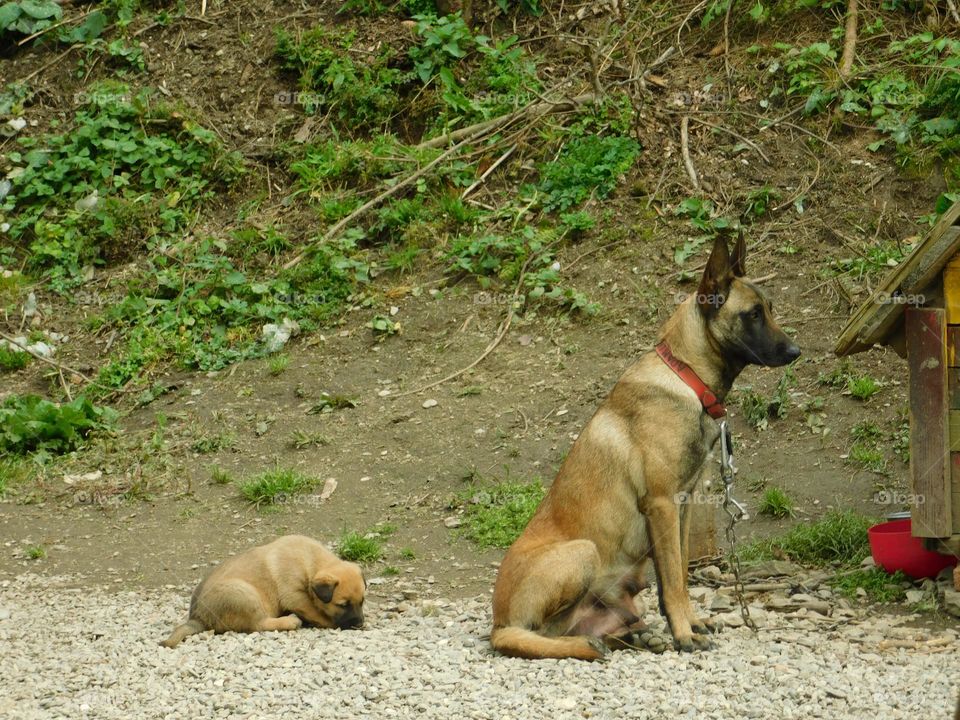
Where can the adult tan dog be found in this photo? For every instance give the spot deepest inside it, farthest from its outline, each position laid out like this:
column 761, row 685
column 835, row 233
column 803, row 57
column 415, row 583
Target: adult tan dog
column 566, row 587
column 278, row 586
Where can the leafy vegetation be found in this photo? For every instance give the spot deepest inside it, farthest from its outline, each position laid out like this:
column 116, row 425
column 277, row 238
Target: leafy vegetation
column 275, row 486
column 587, row 166
column 30, row 424
column 124, row 179
column 495, row 515
column 12, row 360
column 776, row 503
column 879, row 585
column 364, row 547
column 839, row 538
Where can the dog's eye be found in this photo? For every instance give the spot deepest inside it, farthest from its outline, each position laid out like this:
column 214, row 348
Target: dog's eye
column 342, row 605
column 756, row 313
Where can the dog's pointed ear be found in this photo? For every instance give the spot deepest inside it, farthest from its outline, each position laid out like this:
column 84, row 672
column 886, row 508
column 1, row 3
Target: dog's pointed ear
column 716, row 279
column 738, row 263
column 324, row 585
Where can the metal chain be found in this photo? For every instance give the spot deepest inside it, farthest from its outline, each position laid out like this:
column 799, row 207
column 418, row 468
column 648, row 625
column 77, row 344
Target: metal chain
column 736, row 512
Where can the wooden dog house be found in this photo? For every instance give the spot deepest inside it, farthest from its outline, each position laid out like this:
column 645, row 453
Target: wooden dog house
column 916, row 311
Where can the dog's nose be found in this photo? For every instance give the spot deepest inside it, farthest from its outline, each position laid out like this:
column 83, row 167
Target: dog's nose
column 792, row 352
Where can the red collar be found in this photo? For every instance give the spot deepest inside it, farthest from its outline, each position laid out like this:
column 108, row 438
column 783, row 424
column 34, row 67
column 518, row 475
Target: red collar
column 711, row 403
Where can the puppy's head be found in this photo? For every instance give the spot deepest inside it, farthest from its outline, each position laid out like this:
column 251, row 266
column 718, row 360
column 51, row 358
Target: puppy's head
column 339, row 591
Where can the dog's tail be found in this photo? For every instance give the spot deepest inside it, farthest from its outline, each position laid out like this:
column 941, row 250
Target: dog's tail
column 523, row 643
column 190, row 627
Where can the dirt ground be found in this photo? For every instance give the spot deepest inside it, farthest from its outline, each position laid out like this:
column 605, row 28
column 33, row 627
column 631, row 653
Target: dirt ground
column 400, row 463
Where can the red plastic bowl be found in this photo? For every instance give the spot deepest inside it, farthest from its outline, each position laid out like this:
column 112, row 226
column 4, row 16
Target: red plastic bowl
column 894, row 548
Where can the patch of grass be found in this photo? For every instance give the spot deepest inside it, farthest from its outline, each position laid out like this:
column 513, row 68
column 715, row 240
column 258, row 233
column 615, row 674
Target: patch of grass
column 12, row 360
column 328, row 403
column 36, row 552
column 391, row 571
column 863, row 387
column 300, row 439
column 364, row 547
column 880, row 586
column 755, row 408
column 866, row 430
column 839, row 537
column 279, row 364
column 219, row 476
column 360, row 97
column 408, row 554
column 869, row 458
column 776, row 503
column 495, row 515
column 213, row 442
column 275, row 486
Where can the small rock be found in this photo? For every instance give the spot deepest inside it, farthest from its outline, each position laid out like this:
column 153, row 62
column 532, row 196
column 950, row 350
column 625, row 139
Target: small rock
column 721, row 603
column 711, row 572
column 771, row 568
column 427, row 404
column 951, row 602
column 452, row 522
column 914, row 596
column 868, row 562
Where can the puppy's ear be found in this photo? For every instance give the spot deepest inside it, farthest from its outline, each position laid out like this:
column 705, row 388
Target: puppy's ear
column 738, row 263
column 717, row 276
column 324, row 585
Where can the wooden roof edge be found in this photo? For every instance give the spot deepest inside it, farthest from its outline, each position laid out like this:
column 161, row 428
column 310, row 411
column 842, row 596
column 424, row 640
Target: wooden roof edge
column 878, row 315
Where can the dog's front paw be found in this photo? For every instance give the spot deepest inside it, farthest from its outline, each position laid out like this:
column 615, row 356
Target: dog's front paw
column 707, row 626
column 695, row 641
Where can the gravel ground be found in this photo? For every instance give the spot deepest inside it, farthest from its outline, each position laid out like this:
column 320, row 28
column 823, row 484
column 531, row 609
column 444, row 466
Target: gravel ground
column 77, row 652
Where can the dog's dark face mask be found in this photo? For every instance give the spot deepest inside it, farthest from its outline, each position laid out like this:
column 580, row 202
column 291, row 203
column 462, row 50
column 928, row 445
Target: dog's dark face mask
column 738, row 315
column 342, row 597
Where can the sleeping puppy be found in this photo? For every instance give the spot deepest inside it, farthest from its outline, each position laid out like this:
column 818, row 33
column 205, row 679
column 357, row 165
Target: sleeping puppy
column 279, row 586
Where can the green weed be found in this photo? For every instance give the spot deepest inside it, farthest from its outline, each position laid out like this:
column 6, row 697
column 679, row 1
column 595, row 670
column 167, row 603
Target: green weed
column 128, row 173
column 219, row 476
column 776, row 503
column 495, row 515
column 30, row 424
column 840, row 538
column 36, row 552
column 869, row 457
column 300, row 439
column 210, row 442
column 363, row 547
column 879, row 585
column 279, row 364
column 586, row 167
column 12, row 360
column 863, row 387
column 275, row 486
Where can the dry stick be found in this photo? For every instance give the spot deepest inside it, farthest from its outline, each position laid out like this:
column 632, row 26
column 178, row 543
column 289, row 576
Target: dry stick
column 489, row 171
column 737, row 135
column 953, row 11
column 501, row 333
column 542, row 108
column 389, row 192
column 849, row 39
column 685, row 151
column 59, row 366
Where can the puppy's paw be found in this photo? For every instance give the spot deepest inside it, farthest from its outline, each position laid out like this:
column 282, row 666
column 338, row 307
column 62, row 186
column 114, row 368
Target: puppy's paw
column 599, row 645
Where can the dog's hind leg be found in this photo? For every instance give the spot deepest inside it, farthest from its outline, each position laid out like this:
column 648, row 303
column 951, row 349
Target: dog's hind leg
column 543, row 597
column 190, row 627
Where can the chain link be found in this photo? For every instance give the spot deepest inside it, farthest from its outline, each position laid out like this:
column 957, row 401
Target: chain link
column 735, row 512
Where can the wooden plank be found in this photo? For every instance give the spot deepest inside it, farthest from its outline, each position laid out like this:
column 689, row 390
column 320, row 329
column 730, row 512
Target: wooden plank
column 953, row 388
column 953, row 345
column 954, row 421
column 942, row 246
column 930, row 471
column 955, row 491
column 876, row 317
column 951, row 290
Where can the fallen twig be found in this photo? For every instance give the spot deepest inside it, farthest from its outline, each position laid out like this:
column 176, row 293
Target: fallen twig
column 489, row 171
column 685, row 151
column 746, row 141
column 53, row 363
column 849, row 39
column 389, row 192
